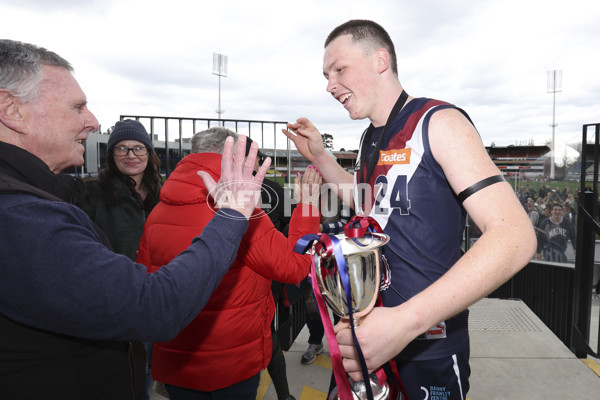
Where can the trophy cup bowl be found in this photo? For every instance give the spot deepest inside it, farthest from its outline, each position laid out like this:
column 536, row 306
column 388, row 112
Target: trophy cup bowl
column 363, row 263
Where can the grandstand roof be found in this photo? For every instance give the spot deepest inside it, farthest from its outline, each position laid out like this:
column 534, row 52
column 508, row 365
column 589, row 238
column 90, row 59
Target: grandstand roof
column 517, row 152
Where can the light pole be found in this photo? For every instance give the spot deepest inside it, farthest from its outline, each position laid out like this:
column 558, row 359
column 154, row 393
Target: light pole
column 219, row 69
column 554, row 85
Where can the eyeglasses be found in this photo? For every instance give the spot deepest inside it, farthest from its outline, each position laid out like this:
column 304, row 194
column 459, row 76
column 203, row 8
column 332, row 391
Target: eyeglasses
column 123, row 151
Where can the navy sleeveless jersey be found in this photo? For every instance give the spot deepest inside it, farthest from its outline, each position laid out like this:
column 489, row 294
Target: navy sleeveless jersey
column 412, row 201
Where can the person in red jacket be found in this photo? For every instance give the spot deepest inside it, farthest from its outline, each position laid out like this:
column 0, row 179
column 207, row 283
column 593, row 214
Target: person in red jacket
column 221, row 353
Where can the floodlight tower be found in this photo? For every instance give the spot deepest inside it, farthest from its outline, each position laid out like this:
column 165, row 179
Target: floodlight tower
column 219, row 69
column 554, row 85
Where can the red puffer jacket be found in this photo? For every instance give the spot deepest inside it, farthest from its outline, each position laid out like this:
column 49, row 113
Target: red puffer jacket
column 230, row 340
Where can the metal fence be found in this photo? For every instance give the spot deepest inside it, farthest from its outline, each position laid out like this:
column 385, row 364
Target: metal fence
column 547, row 289
column 169, row 130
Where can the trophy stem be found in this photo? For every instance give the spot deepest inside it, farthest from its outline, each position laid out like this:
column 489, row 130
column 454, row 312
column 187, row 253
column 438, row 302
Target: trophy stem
column 380, row 392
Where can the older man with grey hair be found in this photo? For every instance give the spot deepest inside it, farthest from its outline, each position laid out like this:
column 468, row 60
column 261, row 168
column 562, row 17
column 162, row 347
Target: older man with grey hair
column 69, row 306
column 212, row 140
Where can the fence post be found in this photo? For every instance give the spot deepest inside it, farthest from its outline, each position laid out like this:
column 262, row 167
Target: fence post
column 587, row 228
column 584, row 271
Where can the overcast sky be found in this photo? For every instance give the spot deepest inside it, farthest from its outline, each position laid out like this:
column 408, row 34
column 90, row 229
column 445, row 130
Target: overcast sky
column 490, row 57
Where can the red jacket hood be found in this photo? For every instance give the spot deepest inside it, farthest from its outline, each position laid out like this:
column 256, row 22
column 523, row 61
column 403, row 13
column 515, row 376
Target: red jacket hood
column 184, row 186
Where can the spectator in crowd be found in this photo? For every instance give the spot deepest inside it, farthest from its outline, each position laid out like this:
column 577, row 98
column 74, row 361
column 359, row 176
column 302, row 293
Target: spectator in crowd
column 126, row 190
column 567, row 193
column 277, row 366
column 540, row 204
column 553, row 197
column 221, row 353
column 569, row 212
column 69, row 306
column 526, row 193
column 536, row 220
column 543, row 191
column 570, row 200
column 547, row 212
column 532, row 212
column 316, row 331
column 418, row 178
column 556, row 231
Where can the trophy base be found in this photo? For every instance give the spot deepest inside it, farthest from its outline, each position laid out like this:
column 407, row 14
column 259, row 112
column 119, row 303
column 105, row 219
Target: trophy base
column 359, row 391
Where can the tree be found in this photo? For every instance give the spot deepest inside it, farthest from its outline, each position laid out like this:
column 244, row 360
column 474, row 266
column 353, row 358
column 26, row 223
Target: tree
column 327, row 141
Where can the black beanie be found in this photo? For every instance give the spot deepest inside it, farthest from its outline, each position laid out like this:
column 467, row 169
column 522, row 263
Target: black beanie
column 129, row 129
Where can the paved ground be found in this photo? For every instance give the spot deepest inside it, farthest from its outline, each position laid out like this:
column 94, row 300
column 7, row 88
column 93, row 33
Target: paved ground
column 514, row 356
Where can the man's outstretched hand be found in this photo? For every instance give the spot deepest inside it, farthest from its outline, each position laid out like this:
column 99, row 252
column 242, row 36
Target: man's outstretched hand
column 237, row 188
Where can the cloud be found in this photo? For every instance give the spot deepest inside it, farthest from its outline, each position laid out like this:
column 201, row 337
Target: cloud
column 489, row 57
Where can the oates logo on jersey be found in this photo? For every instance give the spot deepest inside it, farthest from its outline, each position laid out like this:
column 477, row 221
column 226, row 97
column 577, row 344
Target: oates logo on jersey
column 393, row 157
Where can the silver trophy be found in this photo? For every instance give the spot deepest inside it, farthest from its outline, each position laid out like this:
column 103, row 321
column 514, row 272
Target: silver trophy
column 363, row 263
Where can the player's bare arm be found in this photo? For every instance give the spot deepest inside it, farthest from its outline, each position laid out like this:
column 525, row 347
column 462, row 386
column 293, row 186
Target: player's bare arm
column 508, row 241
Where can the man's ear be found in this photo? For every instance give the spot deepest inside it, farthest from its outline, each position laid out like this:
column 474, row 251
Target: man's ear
column 10, row 111
column 383, row 60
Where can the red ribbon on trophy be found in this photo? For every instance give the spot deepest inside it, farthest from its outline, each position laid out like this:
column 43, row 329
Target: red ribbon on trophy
column 360, row 233
column 359, row 225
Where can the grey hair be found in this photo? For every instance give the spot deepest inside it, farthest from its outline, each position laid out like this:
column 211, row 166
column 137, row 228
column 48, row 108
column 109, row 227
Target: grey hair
column 21, row 68
column 212, row 140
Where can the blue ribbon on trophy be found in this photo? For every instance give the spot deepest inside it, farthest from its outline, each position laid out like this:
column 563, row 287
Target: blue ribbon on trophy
column 340, row 266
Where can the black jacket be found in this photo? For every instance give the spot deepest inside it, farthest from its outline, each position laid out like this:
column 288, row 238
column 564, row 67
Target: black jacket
column 69, row 307
column 71, row 367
